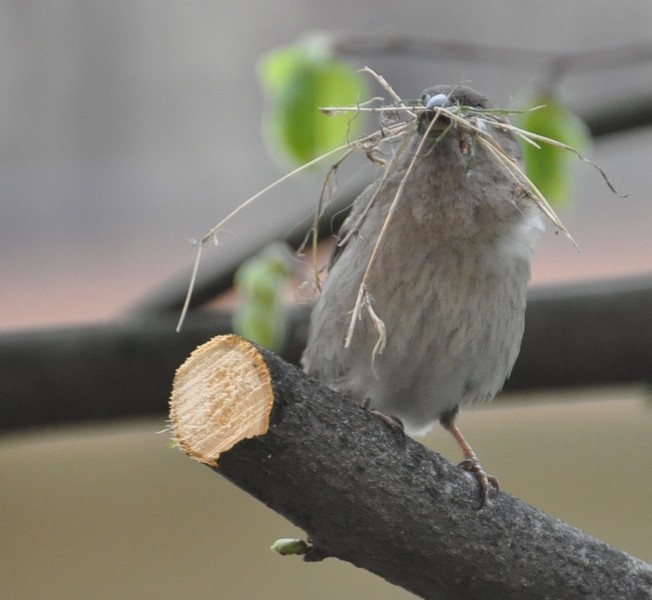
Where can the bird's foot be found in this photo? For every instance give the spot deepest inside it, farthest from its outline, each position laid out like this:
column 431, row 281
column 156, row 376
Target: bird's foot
column 393, row 422
column 470, row 462
column 473, row 466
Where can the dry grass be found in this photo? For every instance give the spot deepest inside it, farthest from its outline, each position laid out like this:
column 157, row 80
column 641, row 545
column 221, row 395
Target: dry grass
column 397, row 123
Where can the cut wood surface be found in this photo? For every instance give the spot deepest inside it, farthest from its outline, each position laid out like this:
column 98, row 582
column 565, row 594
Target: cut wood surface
column 367, row 495
column 234, row 379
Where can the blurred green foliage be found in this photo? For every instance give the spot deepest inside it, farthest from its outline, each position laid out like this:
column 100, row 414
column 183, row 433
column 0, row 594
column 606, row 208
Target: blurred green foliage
column 260, row 314
column 297, row 81
column 550, row 167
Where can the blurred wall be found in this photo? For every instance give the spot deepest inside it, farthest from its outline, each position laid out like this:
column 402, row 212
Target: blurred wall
column 128, row 128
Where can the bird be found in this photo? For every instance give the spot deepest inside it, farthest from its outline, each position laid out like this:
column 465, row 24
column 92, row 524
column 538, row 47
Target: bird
column 438, row 248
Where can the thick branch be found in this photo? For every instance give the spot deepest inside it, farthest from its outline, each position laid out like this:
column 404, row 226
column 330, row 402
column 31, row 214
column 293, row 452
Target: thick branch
column 596, row 333
column 368, row 496
column 584, row 334
column 115, row 370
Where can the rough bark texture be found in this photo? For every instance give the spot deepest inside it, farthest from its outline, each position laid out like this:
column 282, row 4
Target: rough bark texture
column 387, row 504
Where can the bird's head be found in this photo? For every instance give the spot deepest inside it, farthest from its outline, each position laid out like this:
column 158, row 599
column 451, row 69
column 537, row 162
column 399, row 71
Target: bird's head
column 447, row 97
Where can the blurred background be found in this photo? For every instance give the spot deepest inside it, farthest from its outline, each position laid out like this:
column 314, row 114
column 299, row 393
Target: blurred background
column 130, row 128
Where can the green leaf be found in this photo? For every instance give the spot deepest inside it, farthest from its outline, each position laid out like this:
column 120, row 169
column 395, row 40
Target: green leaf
column 551, row 168
column 297, row 80
column 260, row 314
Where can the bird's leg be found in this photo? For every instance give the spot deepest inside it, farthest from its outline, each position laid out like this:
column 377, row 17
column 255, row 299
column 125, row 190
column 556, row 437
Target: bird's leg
column 470, row 462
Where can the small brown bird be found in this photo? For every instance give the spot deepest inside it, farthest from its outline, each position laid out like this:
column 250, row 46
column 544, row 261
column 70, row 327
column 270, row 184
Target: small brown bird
column 444, row 291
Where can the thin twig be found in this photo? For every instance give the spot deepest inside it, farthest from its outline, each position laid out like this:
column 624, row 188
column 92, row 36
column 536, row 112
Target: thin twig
column 385, row 85
column 465, row 117
column 356, row 226
column 312, row 234
column 510, row 165
column 535, row 136
column 212, row 233
column 362, row 292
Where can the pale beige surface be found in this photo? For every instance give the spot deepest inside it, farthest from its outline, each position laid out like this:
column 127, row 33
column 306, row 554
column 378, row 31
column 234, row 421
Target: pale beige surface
column 221, row 395
column 110, row 512
column 130, row 127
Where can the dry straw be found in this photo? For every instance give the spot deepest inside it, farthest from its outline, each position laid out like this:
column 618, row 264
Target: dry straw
column 399, row 122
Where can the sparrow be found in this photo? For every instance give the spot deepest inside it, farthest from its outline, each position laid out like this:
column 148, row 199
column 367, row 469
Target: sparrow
column 422, row 308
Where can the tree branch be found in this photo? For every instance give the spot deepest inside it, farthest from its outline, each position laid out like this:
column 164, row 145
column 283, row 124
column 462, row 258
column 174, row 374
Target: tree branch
column 575, row 335
column 553, row 64
column 592, row 333
column 399, row 44
column 373, row 498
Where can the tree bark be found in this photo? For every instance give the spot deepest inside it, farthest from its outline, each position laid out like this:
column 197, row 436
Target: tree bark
column 370, row 496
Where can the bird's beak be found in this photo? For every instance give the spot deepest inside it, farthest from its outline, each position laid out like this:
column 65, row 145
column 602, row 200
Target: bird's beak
column 434, row 102
column 438, row 101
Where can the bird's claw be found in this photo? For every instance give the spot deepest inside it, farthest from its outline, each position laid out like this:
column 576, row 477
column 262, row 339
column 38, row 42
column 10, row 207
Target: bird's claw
column 473, row 466
column 393, row 422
